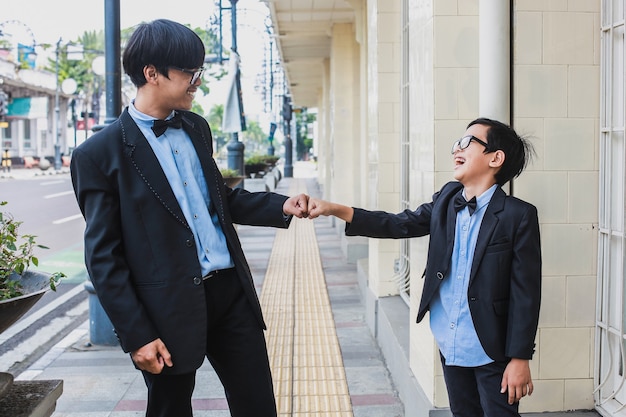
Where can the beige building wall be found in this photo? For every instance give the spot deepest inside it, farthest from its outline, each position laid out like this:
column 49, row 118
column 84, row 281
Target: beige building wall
column 383, row 119
column 556, row 102
column 557, row 85
column 344, row 112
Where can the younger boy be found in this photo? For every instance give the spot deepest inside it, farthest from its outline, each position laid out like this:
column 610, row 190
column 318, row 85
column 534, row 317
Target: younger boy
column 482, row 283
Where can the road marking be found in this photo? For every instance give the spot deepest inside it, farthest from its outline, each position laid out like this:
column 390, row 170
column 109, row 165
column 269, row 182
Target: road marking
column 52, row 182
column 68, row 219
column 58, row 194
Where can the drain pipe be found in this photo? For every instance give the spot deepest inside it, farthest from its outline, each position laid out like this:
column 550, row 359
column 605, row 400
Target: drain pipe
column 494, row 61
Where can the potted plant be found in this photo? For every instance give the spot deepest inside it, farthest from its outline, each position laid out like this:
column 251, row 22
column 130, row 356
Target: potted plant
column 19, row 287
column 231, row 177
column 270, row 159
column 255, row 165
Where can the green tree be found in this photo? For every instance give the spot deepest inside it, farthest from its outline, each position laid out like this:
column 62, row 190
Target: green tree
column 303, row 142
column 254, row 138
column 215, row 117
column 93, row 46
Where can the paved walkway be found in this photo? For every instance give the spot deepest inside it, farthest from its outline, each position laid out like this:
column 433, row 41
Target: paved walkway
column 324, row 360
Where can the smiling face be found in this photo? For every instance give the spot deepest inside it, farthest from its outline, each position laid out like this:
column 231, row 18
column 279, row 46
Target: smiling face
column 177, row 90
column 161, row 94
column 474, row 168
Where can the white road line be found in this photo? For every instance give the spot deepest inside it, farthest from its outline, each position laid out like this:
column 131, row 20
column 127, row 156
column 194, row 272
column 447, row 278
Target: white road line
column 68, row 219
column 58, row 194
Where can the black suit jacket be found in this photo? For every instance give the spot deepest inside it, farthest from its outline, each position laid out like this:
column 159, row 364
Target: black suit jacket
column 139, row 250
column 505, row 281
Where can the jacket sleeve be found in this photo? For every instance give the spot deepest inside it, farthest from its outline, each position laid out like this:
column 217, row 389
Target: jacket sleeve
column 104, row 253
column 257, row 209
column 381, row 224
column 525, row 296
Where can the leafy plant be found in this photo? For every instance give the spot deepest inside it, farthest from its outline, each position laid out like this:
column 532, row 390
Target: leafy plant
column 229, row 173
column 16, row 255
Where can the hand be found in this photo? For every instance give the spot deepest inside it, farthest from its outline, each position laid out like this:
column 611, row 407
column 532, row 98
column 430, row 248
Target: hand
column 297, row 206
column 318, row 208
column 152, row 357
column 326, row 208
column 517, row 380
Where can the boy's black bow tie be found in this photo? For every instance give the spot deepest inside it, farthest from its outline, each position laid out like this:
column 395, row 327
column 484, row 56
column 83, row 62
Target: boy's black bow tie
column 160, row 126
column 460, row 203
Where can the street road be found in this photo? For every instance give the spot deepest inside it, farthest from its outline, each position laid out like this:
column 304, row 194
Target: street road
column 47, row 208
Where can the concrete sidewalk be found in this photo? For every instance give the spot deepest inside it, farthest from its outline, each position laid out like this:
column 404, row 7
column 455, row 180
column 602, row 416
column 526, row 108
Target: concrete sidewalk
column 100, row 381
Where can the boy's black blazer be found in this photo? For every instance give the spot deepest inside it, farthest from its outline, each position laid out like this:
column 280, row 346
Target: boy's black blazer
column 139, row 250
column 504, row 291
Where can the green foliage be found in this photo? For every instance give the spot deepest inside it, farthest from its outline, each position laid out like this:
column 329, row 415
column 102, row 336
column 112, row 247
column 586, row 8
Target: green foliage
column 229, row 173
column 79, row 68
column 303, row 142
column 16, row 255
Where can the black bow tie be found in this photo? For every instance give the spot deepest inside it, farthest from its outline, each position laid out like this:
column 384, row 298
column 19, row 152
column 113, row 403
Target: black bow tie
column 160, row 126
column 460, row 203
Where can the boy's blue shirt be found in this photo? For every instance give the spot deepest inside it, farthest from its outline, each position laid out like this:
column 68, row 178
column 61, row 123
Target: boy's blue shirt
column 181, row 166
column 450, row 319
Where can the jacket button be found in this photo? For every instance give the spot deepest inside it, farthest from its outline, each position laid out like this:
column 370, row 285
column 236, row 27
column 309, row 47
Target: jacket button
column 472, row 298
column 439, row 275
column 197, row 280
column 189, row 243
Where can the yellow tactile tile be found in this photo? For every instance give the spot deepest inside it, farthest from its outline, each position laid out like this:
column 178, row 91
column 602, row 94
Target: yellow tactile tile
column 309, row 377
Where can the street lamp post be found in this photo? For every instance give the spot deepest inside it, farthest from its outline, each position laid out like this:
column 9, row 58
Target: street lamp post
column 57, row 113
column 235, row 147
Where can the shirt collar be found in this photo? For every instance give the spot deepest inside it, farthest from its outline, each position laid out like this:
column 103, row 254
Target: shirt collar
column 142, row 119
column 484, row 199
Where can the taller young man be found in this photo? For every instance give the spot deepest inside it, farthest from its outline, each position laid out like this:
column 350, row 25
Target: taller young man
column 160, row 246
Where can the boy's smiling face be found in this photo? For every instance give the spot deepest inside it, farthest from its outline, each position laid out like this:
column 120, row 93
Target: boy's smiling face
column 472, row 166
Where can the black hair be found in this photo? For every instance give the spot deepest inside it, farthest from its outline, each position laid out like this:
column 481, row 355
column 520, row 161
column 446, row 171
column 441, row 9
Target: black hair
column 517, row 149
column 162, row 43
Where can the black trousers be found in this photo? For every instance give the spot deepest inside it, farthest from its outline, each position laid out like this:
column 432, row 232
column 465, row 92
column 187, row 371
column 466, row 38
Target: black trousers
column 475, row 391
column 237, row 351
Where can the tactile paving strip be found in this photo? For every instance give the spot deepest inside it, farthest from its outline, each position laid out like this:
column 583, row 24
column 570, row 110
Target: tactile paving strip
column 304, row 353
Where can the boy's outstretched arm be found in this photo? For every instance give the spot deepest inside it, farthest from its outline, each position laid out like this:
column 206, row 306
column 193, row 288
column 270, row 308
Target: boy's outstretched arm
column 326, row 208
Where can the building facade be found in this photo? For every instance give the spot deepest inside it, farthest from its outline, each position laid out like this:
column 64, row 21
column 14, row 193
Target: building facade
column 31, row 129
column 396, row 82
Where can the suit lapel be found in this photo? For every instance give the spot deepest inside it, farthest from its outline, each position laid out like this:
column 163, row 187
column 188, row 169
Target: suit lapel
column 204, row 149
column 490, row 220
column 148, row 167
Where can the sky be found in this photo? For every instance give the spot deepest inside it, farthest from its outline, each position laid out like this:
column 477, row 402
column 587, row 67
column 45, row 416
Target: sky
column 47, row 21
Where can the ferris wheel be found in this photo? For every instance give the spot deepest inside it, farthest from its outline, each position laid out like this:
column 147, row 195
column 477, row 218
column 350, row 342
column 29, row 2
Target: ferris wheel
column 16, row 32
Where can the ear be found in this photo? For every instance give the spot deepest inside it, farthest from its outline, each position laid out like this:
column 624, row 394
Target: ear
column 497, row 159
column 150, row 73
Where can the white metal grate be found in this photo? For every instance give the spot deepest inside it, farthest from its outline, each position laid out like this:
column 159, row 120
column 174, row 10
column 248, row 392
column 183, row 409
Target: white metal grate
column 610, row 375
column 402, row 268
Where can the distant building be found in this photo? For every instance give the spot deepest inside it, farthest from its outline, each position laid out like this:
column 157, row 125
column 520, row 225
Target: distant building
column 31, row 113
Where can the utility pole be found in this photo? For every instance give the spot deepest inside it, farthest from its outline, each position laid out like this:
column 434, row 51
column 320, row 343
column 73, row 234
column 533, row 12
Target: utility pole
column 235, row 147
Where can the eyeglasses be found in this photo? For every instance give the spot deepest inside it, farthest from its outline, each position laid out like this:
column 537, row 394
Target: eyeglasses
column 194, row 74
column 465, row 141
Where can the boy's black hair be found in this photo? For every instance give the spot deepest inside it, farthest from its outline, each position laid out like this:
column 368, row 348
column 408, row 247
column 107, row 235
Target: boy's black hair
column 162, row 43
column 517, row 149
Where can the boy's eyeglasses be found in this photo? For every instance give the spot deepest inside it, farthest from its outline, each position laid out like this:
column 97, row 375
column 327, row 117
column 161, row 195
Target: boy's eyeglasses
column 465, row 141
column 195, row 74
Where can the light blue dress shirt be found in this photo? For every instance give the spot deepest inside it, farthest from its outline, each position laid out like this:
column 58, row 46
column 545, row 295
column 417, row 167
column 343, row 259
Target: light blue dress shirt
column 182, row 168
column 450, row 318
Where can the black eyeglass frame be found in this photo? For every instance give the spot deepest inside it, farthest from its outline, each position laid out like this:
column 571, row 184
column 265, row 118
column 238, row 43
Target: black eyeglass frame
column 465, row 141
column 195, row 75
